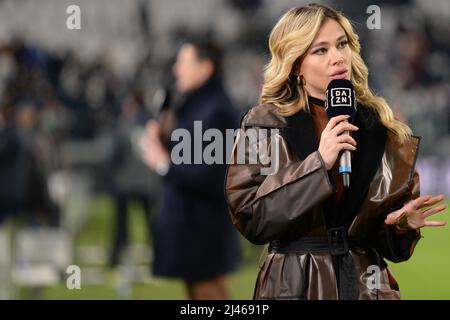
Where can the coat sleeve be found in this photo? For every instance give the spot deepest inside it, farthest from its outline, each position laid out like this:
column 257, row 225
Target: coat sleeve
column 400, row 247
column 264, row 206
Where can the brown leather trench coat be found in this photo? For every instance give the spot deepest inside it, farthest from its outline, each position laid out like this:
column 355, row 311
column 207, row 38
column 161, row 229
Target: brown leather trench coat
column 295, row 202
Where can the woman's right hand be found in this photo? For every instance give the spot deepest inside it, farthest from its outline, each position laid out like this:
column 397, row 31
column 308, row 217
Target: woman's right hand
column 332, row 139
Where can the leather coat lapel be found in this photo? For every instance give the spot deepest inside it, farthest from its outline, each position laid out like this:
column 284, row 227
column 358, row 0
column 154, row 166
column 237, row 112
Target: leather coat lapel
column 371, row 141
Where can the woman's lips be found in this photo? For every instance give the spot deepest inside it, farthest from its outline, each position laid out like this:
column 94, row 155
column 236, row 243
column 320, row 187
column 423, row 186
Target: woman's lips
column 342, row 75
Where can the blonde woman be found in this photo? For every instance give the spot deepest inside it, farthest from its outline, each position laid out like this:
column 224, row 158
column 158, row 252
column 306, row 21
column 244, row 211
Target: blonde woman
column 325, row 241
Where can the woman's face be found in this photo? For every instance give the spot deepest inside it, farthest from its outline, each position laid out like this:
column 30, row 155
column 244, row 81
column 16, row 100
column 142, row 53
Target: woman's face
column 328, row 58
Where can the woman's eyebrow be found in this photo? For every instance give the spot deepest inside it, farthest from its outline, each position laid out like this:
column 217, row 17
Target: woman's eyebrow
column 341, row 38
column 323, row 43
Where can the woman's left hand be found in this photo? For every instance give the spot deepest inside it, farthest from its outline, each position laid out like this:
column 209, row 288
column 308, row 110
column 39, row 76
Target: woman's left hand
column 413, row 214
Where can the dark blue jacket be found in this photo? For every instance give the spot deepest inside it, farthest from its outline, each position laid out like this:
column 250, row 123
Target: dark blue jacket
column 194, row 238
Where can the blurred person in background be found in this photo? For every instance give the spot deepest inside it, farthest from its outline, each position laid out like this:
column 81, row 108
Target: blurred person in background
column 12, row 159
column 132, row 181
column 11, row 191
column 39, row 207
column 324, row 238
column 193, row 237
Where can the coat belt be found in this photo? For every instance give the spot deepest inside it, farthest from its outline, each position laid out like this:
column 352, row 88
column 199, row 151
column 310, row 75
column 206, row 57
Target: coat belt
column 338, row 245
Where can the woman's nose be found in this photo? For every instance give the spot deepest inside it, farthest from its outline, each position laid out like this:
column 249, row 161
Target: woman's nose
column 337, row 57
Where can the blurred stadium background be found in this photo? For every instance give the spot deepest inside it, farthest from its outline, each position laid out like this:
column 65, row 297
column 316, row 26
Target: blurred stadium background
column 64, row 89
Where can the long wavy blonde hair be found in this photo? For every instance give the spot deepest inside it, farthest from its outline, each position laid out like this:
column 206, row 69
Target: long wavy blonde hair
column 290, row 40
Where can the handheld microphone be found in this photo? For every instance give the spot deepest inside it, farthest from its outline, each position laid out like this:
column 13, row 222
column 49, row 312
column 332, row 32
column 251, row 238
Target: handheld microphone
column 341, row 99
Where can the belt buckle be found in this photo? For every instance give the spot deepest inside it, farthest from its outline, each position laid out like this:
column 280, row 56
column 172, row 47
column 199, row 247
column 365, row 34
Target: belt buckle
column 337, row 241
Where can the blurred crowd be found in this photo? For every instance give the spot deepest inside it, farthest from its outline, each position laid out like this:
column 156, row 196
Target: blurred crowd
column 61, row 110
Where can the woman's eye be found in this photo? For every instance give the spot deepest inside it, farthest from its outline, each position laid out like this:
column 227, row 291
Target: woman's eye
column 343, row 44
column 320, row 51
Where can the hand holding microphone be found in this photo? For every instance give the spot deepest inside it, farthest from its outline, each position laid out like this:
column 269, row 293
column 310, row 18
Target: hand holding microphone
column 333, row 141
column 340, row 107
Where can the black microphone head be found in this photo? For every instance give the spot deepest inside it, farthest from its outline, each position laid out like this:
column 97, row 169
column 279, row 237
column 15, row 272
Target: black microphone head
column 341, row 98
